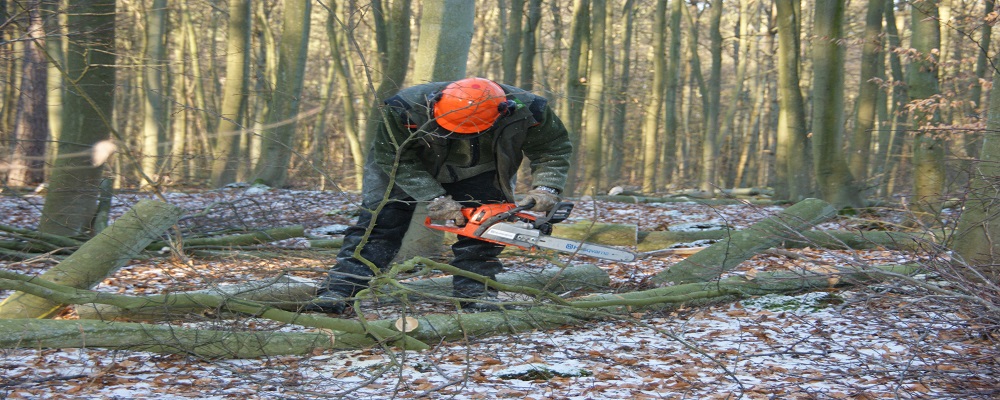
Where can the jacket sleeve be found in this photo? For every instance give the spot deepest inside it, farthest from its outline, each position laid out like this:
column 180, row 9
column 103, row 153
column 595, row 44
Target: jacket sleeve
column 548, row 148
column 396, row 152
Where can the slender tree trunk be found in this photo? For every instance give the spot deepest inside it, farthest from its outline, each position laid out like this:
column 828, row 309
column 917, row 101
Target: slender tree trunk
column 833, row 178
column 922, row 81
column 71, row 203
column 616, row 152
column 350, row 118
column 900, row 97
column 512, row 41
column 593, row 143
column 154, row 132
column 673, row 92
column 861, row 140
column 226, row 154
column 279, row 137
column 530, row 45
column 393, row 39
column 572, row 106
column 972, row 141
column 31, row 125
column 654, row 104
column 710, row 145
column 793, row 158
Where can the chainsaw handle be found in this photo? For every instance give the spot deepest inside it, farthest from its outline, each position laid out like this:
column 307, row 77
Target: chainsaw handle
column 500, row 217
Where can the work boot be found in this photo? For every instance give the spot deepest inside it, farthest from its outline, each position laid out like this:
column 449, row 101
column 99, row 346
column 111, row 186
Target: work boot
column 328, row 302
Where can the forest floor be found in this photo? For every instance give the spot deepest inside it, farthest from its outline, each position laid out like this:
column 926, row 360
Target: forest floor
column 893, row 339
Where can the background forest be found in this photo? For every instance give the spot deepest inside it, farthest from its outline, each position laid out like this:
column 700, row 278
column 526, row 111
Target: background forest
column 830, row 99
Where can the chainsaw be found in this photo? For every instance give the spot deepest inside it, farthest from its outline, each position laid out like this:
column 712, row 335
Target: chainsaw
column 509, row 225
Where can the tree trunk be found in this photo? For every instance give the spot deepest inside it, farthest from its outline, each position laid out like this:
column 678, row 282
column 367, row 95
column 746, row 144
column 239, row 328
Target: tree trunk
column 530, row 47
column 593, row 141
column 279, row 136
column 793, row 158
column 861, row 140
column 289, row 293
column 836, row 185
column 710, row 142
column 31, row 122
column 98, row 257
column 900, row 98
column 972, row 141
column 616, row 148
column 165, row 339
column 154, row 130
column 446, row 28
column 654, row 103
column 673, row 88
column 726, row 254
column 512, row 41
column 228, row 136
column 340, row 54
column 571, row 108
column 922, row 81
column 71, row 202
column 979, row 226
column 393, row 40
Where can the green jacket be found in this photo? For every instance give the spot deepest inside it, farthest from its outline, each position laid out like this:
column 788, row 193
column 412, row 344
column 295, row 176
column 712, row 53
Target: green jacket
column 406, row 135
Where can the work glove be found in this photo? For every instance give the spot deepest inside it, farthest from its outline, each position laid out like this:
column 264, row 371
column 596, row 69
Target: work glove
column 444, row 208
column 544, row 198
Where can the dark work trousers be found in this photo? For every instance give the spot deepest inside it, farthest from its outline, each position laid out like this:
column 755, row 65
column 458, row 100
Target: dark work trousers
column 350, row 275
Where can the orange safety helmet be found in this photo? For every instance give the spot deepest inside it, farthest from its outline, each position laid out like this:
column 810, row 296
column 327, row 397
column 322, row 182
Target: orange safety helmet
column 469, row 106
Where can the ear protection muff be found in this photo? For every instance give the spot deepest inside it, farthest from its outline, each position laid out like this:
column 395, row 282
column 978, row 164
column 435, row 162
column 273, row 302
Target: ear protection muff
column 507, row 108
column 432, row 98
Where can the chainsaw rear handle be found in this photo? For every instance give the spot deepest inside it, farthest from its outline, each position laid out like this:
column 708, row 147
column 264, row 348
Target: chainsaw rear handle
column 501, row 217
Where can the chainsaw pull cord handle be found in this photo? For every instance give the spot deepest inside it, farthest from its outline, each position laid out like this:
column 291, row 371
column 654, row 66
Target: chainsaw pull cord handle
column 500, row 217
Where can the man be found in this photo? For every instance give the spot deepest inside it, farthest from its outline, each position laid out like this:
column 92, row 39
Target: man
column 454, row 145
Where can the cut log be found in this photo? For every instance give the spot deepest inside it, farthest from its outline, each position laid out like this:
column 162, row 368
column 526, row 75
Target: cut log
column 98, row 257
column 288, row 293
column 606, row 234
column 825, row 239
column 729, row 252
column 53, row 334
column 261, row 237
column 435, row 328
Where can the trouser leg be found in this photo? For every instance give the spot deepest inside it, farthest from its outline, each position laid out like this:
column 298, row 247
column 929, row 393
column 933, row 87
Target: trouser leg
column 475, row 255
column 350, row 275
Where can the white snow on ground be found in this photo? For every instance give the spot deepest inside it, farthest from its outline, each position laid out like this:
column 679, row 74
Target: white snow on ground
column 869, row 342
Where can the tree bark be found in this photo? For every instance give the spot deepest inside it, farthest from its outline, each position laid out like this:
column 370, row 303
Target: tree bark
column 98, row 257
column 164, row 339
column 979, row 226
column 654, row 103
column 74, row 184
column 593, row 143
column 228, row 136
column 726, row 254
column 861, row 139
column 836, row 185
column 923, row 84
column 289, row 293
column 793, row 158
column 279, row 136
column 31, row 121
column 154, row 130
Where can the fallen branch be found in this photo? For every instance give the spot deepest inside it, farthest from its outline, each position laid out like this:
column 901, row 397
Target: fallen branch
column 288, row 293
column 743, row 244
column 98, row 257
